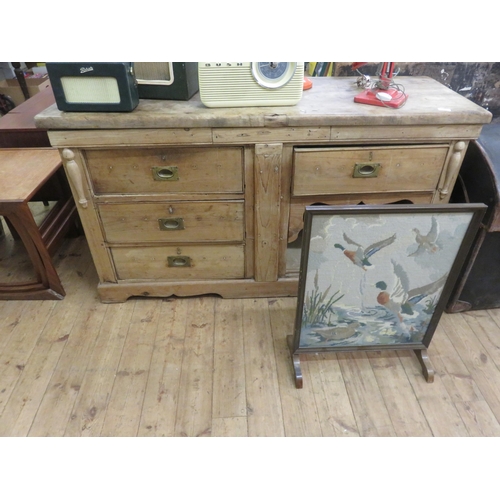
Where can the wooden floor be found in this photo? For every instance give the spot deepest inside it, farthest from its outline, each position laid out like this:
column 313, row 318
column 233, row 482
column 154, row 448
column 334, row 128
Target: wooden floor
column 205, row 366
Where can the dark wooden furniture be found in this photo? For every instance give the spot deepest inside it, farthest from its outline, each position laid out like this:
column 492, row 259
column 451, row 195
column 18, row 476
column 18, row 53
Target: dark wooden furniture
column 19, row 72
column 18, row 130
column 479, row 284
column 17, row 127
column 24, row 172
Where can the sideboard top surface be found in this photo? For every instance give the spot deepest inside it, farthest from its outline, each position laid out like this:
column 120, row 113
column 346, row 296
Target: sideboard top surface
column 330, row 102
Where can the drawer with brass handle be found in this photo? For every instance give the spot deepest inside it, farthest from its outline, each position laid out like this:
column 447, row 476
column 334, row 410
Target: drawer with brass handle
column 328, row 171
column 166, row 173
column 171, row 224
column 186, row 262
column 177, row 170
column 178, row 221
column 179, row 261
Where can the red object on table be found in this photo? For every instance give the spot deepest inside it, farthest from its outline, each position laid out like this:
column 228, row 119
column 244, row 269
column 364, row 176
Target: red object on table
column 393, row 98
column 307, row 84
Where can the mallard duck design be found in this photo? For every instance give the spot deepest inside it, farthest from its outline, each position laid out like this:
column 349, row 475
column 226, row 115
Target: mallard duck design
column 360, row 256
column 401, row 300
column 427, row 242
column 336, row 332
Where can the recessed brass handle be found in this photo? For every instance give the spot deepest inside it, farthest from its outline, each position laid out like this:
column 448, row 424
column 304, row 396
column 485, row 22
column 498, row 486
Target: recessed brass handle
column 172, row 224
column 165, row 174
column 179, row 261
column 366, row 169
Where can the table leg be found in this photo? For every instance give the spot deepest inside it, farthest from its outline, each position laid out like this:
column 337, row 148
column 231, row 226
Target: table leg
column 48, row 284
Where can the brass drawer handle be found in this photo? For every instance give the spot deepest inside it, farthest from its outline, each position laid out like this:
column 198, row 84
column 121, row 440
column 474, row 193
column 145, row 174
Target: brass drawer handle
column 366, row 169
column 165, row 174
column 179, row 261
column 173, row 224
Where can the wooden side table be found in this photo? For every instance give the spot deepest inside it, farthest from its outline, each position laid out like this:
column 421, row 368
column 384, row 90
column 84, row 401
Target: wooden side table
column 24, row 172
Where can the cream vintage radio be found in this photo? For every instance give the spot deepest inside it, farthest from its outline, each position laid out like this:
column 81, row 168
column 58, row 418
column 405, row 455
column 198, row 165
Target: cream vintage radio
column 239, row 84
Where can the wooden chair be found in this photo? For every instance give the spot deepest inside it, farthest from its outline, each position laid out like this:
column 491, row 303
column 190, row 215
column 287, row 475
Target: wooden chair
column 23, row 174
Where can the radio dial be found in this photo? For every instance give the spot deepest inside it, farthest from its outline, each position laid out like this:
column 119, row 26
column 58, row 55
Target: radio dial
column 273, row 75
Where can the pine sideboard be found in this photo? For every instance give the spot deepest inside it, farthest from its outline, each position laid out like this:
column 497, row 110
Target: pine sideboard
column 179, row 199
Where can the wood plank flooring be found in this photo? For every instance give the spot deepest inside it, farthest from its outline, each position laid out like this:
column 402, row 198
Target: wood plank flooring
column 204, row 366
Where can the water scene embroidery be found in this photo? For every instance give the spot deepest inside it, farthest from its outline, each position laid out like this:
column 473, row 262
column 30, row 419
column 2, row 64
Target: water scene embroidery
column 376, row 279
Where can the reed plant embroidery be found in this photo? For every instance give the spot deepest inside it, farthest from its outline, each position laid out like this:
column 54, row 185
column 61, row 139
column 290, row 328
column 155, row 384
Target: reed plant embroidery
column 316, row 310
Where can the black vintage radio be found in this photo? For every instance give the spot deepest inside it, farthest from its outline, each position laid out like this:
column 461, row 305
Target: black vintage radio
column 167, row 80
column 117, row 86
column 95, row 86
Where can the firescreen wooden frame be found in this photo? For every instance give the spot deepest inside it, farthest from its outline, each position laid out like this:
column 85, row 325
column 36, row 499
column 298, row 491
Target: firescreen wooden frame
column 378, row 277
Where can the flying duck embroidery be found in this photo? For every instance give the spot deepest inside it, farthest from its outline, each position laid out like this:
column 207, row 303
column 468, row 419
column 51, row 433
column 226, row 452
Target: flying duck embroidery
column 360, row 256
column 401, row 299
column 426, row 242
